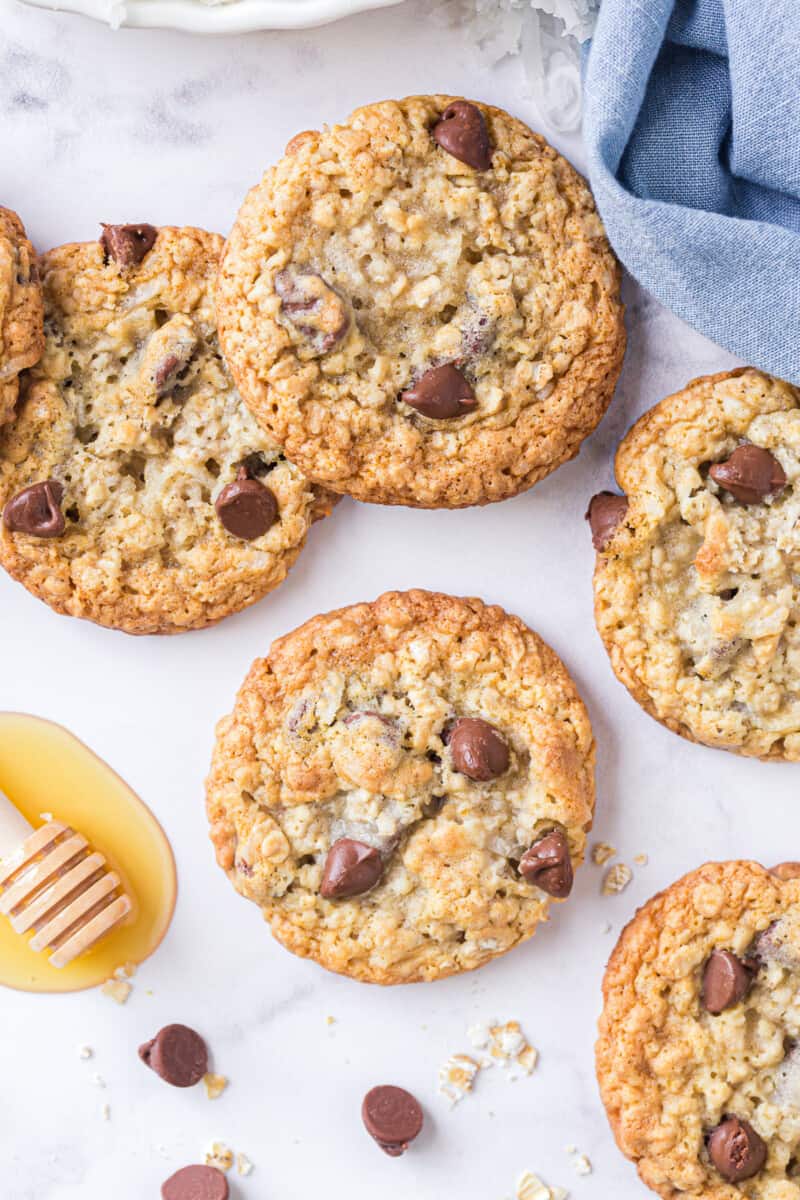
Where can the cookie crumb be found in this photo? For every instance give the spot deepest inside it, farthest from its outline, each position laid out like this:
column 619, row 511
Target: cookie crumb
column 106, row 1112
column 602, row 852
column 607, row 927
column 126, row 971
column 457, row 1076
column 85, row 1052
column 641, row 860
column 243, row 1165
column 580, row 1162
column 215, row 1085
column 531, row 1187
column 508, row 1046
column 330, row 1020
column 220, row 1156
column 616, row 879
column 118, row 989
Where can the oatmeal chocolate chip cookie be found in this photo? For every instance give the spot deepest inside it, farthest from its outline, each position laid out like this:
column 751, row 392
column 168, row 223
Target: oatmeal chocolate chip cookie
column 698, row 1058
column 697, row 582
column 21, row 316
column 421, row 305
column 383, row 776
column 137, row 490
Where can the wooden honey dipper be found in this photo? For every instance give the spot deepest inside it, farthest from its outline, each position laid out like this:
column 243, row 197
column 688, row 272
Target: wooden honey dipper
column 52, row 882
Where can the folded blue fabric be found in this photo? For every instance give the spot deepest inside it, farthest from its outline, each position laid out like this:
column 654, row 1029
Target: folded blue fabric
column 692, row 125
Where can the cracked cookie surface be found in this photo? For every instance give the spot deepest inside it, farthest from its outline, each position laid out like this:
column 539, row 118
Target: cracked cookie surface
column 340, row 736
column 697, row 592
column 671, row 1072
column 133, row 422
column 21, row 315
column 370, row 256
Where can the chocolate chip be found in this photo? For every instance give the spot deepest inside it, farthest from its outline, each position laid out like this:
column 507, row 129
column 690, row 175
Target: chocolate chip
column 246, row 508
column 127, row 244
column 441, row 393
column 462, row 132
column 393, row 1117
column 548, row 865
column 351, row 868
column 479, row 751
column 750, row 474
column 736, row 1150
column 605, row 513
column 36, row 510
column 313, row 307
column 786, row 871
column 196, row 1183
column 726, row 980
column 177, row 1054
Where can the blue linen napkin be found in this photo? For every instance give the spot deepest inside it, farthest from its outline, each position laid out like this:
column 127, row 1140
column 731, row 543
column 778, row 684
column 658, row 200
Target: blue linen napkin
column 692, row 127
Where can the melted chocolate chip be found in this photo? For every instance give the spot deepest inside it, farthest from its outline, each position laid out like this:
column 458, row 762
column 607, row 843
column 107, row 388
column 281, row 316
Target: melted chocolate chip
column 196, row 1183
column 127, row 244
column 605, row 513
column 548, row 865
column 478, row 750
column 726, row 980
column 736, row 1150
column 177, row 1054
column 393, row 1117
column 750, row 474
column 462, row 132
column 36, row 510
column 351, row 868
column 246, row 508
column 441, row 393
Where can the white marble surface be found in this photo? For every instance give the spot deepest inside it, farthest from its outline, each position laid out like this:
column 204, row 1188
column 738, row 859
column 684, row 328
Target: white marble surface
column 172, row 129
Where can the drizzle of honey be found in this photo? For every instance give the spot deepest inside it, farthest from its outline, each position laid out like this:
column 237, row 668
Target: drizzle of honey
column 46, row 769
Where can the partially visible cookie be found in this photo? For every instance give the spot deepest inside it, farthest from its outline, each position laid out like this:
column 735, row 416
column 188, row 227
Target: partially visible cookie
column 697, row 1057
column 21, row 317
column 404, row 786
column 697, row 581
column 137, row 490
column 421, row 305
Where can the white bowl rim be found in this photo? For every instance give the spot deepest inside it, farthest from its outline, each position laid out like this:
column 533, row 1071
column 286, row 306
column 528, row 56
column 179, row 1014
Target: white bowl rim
column 238, row 16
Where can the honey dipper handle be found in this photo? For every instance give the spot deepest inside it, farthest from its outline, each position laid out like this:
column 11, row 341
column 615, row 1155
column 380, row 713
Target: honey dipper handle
column 14, row 829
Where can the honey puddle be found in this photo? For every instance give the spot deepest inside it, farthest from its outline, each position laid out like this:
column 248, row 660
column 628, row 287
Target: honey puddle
column 46, row 769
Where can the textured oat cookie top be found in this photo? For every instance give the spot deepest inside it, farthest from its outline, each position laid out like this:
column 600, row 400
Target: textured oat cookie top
column 370, row 255
column 671, row 1071
column 345, row 732
column 697, row 593
column 135, row 422
column 21, row 333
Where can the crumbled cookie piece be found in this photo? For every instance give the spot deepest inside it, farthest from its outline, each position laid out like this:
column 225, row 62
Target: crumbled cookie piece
column 641, row 860
column 616, row 879
column 531, row 1187
column 243, row 1164
column 602, row 852
column 580, row 1162
column 220, row 1156
column 457, row 1076
column 118, row 989
column 214, row 1084
column 85, row 1052
column 505, row 1045
column 21, row 312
